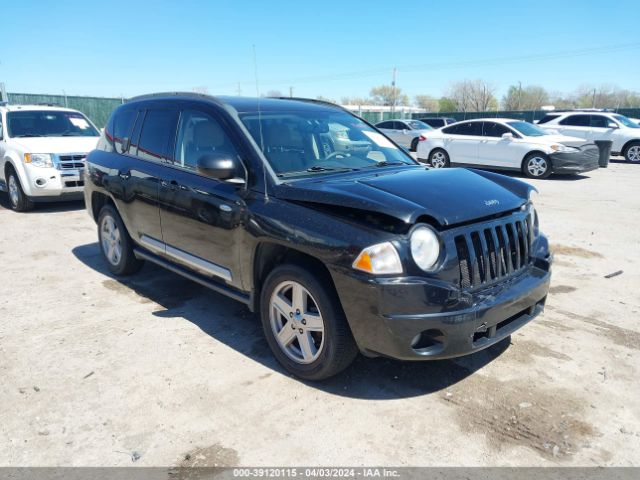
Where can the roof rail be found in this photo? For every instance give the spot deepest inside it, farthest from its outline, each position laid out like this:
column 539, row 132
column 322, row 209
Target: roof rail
column 170, row 94
column 314, row 100
column 583, row 110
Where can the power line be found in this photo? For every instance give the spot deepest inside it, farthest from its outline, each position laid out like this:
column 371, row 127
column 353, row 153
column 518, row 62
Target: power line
column 453, row 65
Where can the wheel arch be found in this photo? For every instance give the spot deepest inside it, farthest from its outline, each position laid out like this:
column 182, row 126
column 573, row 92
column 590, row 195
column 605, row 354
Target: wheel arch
column 539, row 152
column 99, row 200
column 268, row 255
column 628, row 144
column 438, row 147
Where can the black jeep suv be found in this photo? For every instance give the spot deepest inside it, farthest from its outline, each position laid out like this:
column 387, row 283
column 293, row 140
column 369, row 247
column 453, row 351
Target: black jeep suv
column 308, row 214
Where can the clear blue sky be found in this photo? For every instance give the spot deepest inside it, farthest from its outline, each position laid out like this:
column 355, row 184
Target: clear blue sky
column 322, row 47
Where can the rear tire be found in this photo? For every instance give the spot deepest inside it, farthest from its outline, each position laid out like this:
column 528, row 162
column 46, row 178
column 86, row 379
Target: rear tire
column 414, row 145
column 536, row 165
column 439, row 158
column 304, row 324
column 632, row 152
column 116, row 244
column 19, row 201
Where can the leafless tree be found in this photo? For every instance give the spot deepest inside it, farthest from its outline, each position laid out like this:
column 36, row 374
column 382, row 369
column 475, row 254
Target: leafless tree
column 427, row 102
column 388, row 95
column 473, row 96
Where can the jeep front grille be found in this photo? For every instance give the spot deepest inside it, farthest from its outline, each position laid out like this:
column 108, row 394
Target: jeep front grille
column 68, row 162
column 490, row 253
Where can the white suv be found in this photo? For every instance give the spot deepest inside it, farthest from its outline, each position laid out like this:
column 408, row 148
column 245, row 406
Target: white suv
column 42, row 153
column 598, row 125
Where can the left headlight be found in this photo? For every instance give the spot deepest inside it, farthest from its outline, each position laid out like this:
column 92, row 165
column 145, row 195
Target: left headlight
column 563, row 148
column 38, row 159
column 425, row 247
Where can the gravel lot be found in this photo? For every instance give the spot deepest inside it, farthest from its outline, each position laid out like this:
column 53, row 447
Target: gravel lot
column 157, row 370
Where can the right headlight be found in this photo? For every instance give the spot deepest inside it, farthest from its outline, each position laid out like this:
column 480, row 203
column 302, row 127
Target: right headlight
column 38, row 159
column 425, row 247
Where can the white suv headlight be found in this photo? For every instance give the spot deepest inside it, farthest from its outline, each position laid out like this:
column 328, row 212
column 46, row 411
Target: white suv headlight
column 381, row 259
column 38, row 159
column 425, row 247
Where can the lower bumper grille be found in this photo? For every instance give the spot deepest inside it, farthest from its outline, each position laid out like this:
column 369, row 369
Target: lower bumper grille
column 491, row 253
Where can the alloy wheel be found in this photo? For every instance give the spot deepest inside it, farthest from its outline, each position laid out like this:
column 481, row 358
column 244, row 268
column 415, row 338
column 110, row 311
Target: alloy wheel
column 633, row 154
column 14, row 192
column 537, row 166
column 111, row 241
column 438, row 160
column 296, row 322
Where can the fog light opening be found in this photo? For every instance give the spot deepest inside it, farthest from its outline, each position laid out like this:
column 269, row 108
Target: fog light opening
column 427, row 340
column 41, row 182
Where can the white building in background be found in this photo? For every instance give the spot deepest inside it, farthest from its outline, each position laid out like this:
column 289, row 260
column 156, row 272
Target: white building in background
column 384, row 112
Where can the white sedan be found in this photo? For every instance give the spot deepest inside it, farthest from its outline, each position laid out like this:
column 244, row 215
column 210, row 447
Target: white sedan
column 507, row 144
column 404, row 132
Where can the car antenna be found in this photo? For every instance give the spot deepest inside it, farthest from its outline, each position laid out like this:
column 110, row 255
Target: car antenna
column 264, row 167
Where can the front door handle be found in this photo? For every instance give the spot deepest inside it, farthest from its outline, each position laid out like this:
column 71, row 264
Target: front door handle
column 124, row 175
column 171, row 185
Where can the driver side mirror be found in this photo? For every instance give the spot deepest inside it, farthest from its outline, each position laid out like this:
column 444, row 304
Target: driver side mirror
column 507, row 136
column 217, row 165
column 612, row 125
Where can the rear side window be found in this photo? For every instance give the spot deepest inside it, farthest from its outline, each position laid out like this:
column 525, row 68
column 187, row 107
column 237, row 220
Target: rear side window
column 453, row 130
column 470, row 128
column 158, row 134
column 122, row 127
column 547, row 118
column 576, row 121
column 493, row 129
column 388, row 125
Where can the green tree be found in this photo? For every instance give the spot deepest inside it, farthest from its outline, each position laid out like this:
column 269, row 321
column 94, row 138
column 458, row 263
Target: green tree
column 388, row 95
column 427, row 102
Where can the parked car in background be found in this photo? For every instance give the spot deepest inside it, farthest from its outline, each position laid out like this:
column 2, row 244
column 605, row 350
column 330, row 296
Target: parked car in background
column 438, row 122
column 340, row 252
column 598, row 125
column 42, row 153
column 404, row 132
column 503, row 143
column 635, row 120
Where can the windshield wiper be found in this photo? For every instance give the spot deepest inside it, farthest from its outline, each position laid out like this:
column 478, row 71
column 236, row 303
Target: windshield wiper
column 386, row 164
column 29, row 135
column 317, row 169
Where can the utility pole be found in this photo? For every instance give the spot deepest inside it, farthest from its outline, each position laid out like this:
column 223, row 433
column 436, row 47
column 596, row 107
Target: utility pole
column 239, row 90
column 290, row 92
column 519, row 93
column 593, row 102
column 393, row 86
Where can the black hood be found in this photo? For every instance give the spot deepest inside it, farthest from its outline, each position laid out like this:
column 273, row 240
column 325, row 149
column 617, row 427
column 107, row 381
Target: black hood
column 449, row 196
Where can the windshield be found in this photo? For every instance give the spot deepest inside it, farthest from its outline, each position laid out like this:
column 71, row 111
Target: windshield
column 626, row 121
column 418, row 125
column 527, row 129
column 49, row 123
column 303, row 143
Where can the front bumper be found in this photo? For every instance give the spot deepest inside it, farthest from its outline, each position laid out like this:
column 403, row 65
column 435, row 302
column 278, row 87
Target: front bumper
column 425, row 319
column 584, row 160
column 48, row 183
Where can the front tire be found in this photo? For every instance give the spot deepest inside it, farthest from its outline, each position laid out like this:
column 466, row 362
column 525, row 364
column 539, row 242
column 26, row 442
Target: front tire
column 116, row 244
column 536, row 165
column 19, row 201
column 438, row 158
column 632, row 152
column 304, row 324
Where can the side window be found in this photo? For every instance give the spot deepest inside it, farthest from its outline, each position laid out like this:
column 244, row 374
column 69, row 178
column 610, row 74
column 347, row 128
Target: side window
column 385, row 125
column 599, row 121
column 493, row 129
column 200, row 134
column 122, row 127
column 576, row 121
column 470, row 128
column 547, row 118
column 451, row 130
column 158, row 132
column 402, row 126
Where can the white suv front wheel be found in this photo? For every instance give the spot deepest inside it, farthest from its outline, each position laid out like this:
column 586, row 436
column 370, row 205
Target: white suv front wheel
column 20, row 202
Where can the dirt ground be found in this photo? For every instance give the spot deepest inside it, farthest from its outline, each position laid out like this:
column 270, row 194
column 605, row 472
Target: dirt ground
column 156, row 370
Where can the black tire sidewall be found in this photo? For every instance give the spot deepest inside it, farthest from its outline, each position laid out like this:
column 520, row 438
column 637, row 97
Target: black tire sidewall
column 326, row 365
column 525, row 162
column 414, row 145
column 128, row 262
column 24, row 203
